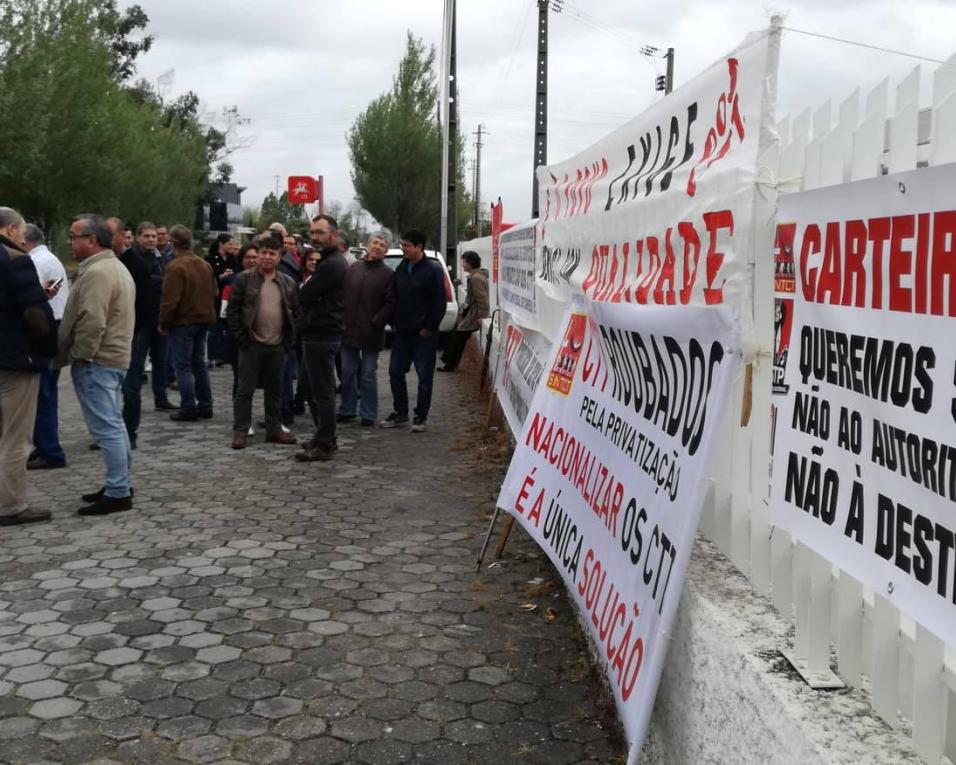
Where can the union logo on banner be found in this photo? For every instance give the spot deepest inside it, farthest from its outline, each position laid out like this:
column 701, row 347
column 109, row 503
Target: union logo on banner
column 562, row 373
column 302, row 190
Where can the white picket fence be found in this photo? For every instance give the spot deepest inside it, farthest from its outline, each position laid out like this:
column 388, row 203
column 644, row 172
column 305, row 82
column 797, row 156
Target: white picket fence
column 910, row 674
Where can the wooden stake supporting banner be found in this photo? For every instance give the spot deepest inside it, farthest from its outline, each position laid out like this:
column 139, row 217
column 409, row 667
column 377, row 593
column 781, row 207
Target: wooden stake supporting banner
column 484, row 546
column 747, row 403
column 509, row 523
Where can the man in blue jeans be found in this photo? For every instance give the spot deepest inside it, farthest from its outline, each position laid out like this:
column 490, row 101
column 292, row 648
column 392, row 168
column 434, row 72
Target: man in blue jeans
column 420, row 303
column 187, row 311
column 96, row 335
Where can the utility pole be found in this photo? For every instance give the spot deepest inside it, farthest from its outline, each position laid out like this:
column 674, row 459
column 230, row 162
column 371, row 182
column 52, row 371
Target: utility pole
column 449, row 223
column 540, row 102
column 669, row 83
column 478, row 145
column 277, row 187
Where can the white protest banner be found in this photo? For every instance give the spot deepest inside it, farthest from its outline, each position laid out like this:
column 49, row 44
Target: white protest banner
column 524, row 354
column 516, row 271
column 661, row 211
column 607, row 476
column 864, row 450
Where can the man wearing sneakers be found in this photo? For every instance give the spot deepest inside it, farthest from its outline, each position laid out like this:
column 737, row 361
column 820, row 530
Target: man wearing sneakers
column 420, row 304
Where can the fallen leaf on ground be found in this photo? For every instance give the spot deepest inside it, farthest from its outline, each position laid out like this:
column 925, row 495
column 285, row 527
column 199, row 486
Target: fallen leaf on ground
column 529, row 607
column 550, row 615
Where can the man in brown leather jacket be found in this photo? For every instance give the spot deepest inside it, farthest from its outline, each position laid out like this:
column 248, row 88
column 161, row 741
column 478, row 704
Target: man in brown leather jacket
column 187, row 310
column 261, row 314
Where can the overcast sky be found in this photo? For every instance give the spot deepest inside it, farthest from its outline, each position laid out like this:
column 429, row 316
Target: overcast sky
column 302, row 71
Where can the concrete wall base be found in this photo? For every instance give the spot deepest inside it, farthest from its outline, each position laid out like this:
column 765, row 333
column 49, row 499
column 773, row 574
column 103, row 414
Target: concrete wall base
column 728, row 696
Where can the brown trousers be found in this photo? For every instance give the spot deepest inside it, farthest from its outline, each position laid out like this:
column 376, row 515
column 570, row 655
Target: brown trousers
column 18, row 408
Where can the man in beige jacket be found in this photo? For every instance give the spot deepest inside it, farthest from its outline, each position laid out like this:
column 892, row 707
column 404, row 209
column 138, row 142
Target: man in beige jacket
column 96, row 337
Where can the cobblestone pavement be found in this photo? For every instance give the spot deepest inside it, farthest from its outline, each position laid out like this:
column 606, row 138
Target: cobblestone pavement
column 252, row 609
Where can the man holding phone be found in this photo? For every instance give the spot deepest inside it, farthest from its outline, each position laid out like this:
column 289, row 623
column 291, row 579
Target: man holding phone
column 47, row 452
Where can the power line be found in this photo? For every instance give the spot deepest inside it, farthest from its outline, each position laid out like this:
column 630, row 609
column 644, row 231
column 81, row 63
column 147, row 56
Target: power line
column 870, row 47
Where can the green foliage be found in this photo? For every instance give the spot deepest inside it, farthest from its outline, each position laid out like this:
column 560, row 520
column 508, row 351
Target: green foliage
column 395, row 149
column 351, row 223
column 75, row 137
column 282, row 211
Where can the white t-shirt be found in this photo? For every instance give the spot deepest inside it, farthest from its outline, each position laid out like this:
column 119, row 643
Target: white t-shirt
column 49, row 268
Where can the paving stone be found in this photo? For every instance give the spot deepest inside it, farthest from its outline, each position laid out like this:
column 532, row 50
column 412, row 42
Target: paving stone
column 264, row 749
column 42, row 689
column 50, row 709
column 277, row 707
column 204, row 749
column 242, row 726
column 301, row 621
column 183, row 727
column 94, row 690
column 357, row 729
column 221, row 707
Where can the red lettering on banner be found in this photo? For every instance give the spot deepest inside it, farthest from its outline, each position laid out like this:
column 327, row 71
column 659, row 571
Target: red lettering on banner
column 715, row 222
column 914, row 255
column 727, row 120
column 656, row 275
column 624, row 656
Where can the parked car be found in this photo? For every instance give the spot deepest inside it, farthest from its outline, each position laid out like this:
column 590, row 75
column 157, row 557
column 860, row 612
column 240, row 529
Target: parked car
column 394, row 257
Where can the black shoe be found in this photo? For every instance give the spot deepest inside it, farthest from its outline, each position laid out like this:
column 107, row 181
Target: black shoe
column 107, row 506
column 93, row 496
column 205, row 414
column 344, row 417
column 446, row 369
column 367, row 423
column 94, row 447
column 30, row 515
column 418, row 425
column 289, row 422
column 314, row 454
column 42, row 463
column 166, row 406
column 394, row 420
column 184, row 416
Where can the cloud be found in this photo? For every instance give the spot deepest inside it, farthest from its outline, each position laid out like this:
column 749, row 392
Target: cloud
column 302, row 72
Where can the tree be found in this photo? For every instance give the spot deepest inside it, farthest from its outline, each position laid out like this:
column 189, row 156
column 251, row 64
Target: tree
column 395, row 150
column 281, row 210
column 91, row 142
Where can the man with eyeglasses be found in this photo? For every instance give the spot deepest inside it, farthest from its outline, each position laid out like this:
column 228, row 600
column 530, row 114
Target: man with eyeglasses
column 322, row 308
column 96, row 335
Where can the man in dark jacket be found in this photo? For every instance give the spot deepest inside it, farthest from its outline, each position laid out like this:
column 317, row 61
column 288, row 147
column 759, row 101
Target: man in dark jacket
column 369, row 298
column 27, row 344
column 473, row 310
column 262, row 310
column 420, row 303
column 322, row 308
column 145, row 249
column 142, row 331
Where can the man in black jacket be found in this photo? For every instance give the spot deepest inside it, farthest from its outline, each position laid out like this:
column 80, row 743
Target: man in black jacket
column 145, row 249
column 322, row 308
column 27, row 344
column 143, row 329
column 420, row 303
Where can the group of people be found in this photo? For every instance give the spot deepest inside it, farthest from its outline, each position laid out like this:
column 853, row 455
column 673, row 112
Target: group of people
column 278, row 312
